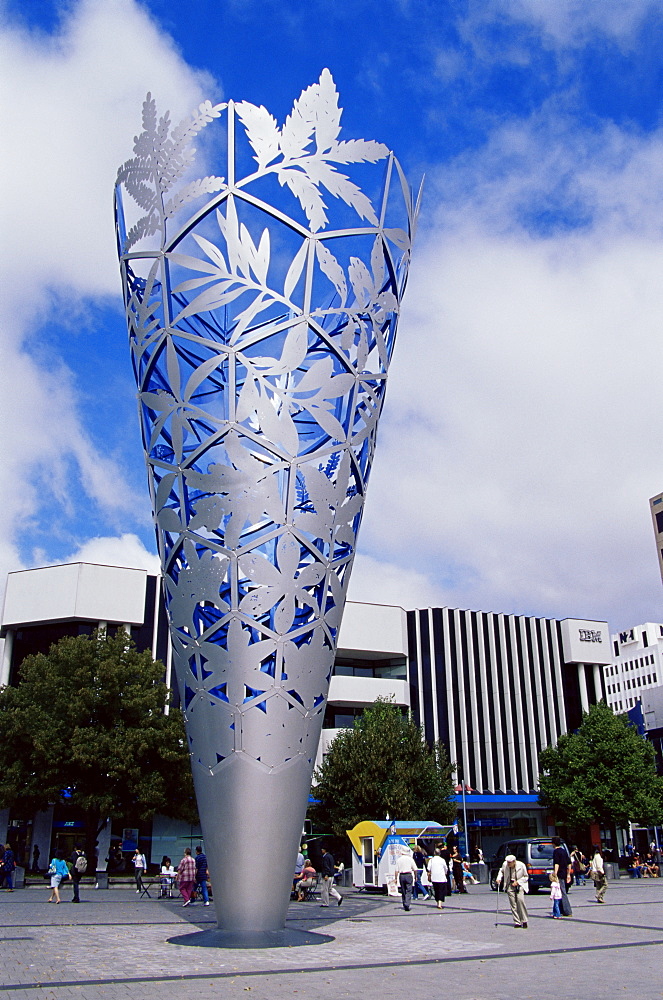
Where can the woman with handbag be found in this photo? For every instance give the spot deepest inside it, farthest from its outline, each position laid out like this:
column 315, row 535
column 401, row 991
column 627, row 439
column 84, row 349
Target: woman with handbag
column 58, row 870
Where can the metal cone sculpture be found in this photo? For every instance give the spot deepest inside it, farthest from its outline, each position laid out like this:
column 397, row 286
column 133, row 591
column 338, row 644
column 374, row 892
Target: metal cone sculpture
column 261, row 336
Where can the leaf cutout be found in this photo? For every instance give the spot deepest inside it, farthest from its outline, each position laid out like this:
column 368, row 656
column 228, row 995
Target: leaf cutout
column 362, row 282
column 327, row 112
column 261, row 130
column 331, row 267
column 295, row 270
column 305, row 190
column 206, row 185
column 399, row 237
column 358, row 151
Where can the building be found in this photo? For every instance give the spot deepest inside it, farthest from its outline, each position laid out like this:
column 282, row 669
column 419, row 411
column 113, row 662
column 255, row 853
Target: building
column 636, row 667
column 656, row 508
column 43, row 605
column 494, row 688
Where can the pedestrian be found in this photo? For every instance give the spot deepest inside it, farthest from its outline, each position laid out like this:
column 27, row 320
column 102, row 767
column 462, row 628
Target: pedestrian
column 578, row 865
column 516, row 882
column 556, row 896
column 78, row 869
column 59, row 872
column 328, row 888
column 457, row 868
column 561, row 868
column 406, row 871
column 8, row 868
column 445, row 854
column 140, row 867
column 202, row 873
column 597, row 872
column 35, row 858
column 186, row 876
column 438, row 875
column 419, row 856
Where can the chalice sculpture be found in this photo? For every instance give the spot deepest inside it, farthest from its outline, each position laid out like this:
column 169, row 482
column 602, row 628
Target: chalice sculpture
column 260, row 337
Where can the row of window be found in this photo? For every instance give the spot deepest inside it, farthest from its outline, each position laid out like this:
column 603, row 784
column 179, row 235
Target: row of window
column 642, row 661
column 632, row 683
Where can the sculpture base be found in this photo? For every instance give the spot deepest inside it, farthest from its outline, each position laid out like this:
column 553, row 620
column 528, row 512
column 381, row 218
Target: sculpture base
column 284, row 938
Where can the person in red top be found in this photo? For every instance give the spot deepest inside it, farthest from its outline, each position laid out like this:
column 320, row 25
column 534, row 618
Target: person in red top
column 186, row 876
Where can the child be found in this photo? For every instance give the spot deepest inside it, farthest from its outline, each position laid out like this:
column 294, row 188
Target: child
column 556, row 896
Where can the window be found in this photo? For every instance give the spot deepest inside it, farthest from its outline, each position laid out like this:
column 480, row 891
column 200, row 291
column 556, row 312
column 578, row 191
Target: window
column 394, row 670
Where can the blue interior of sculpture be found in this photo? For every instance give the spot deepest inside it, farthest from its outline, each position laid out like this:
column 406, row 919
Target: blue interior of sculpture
column 261, row 336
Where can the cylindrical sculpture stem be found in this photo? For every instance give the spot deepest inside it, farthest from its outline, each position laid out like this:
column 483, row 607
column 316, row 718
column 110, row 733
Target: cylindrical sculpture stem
column 261, row 337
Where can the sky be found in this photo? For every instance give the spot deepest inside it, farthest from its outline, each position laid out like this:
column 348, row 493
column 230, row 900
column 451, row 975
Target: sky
column 522, row 433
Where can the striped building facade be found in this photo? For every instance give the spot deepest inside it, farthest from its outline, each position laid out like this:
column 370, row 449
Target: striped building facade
column 497, row 688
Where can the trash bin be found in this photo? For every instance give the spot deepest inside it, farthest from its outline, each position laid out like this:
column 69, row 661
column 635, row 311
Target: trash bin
column 480, row 871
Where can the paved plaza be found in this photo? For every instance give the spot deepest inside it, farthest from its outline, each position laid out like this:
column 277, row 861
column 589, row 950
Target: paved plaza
column 115, row 945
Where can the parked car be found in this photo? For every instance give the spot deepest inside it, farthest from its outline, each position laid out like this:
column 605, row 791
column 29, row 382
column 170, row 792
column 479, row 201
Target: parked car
column 535, row 852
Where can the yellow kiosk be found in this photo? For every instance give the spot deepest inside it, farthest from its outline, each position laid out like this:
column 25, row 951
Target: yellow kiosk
column 377, row 845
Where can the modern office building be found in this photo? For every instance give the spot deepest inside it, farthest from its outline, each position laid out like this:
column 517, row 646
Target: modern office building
column 636, row 667
column 494, row 688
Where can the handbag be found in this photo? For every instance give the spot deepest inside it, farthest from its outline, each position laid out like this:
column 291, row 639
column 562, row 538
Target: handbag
column 52, row 870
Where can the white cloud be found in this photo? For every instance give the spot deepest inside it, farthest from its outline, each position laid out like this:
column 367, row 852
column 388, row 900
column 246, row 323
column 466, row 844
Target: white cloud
column 576, row 22
column 126, row 550
column 562, row 24
column 71, row 105
column 521, row 437
column 383, row 582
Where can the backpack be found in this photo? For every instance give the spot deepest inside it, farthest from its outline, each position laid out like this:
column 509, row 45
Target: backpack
column 81, row 864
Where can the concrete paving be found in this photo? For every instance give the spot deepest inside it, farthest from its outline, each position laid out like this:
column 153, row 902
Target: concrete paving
column 116, row 945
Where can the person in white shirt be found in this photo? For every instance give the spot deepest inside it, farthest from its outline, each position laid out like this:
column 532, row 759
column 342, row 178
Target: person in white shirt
column 406, row 870
column 140, row 865
column 438, row 874
column 516, row 882
column 597, row 872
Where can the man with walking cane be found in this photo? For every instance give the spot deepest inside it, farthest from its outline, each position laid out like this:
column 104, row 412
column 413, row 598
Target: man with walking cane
column 516, row 882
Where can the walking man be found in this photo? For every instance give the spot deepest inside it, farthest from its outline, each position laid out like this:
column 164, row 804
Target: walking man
column 406, row 872
column 516, row 882
column 328, row 886
column 78, row 869
column 202, row 874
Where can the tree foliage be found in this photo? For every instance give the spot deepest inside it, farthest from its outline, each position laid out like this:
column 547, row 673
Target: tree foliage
column 604, row 771
column 86, row 725
column 382, row 767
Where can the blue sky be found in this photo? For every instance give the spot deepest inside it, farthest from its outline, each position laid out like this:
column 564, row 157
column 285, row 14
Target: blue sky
column 521, row 437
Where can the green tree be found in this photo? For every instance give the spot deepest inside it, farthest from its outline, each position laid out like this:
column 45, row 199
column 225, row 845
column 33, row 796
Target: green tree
column 86, row 725
column 382, row 766
column 603, row 772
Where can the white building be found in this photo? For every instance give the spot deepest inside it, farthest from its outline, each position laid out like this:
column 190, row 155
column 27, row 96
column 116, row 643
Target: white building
column 494, row 688
column 637, row 665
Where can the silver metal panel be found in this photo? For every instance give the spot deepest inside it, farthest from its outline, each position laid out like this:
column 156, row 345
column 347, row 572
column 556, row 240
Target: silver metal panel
column 261, row 329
